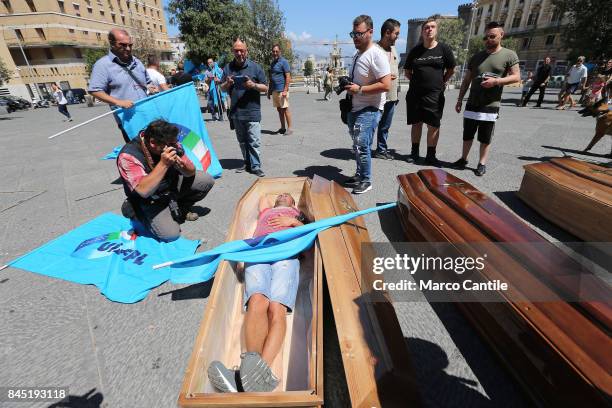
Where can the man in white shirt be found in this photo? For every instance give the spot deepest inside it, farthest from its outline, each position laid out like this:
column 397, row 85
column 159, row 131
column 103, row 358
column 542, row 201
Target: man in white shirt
column 575, row 78
column 371, row 79
column 157, row 79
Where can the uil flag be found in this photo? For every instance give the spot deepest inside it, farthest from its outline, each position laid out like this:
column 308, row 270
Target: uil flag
column 106, row 252
column 181, row 107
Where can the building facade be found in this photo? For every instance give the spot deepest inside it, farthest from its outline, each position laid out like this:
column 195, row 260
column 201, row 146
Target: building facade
column 178, row 48
column 535, row 23
column 44, row 41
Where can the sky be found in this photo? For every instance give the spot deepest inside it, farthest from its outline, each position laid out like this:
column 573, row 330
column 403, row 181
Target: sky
column 313, row 21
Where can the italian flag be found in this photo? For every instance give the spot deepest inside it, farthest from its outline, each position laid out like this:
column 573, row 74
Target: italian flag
column 197, row 146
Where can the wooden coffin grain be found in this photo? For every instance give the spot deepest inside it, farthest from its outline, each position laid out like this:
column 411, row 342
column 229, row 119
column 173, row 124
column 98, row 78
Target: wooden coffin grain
column 376, row 362
column 573, row 194
column 220, row 337
column 558, row 352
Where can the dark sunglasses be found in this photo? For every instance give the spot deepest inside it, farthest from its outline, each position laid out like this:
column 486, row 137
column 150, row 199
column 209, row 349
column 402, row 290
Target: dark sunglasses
column 489, row 37
column 124, row 45
column 358, row 34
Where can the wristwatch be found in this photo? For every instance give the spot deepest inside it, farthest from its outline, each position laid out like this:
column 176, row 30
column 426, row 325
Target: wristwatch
column 360, row 91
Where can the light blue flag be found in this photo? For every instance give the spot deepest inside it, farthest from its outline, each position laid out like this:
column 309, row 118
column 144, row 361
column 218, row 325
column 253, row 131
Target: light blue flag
column 107, row 253
column 264, row 249
column 181, row 107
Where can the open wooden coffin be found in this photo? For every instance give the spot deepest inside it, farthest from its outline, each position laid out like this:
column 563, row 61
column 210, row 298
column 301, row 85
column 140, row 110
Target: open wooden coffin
column 558, row 351
column 374, row 354
column 573, row 194
column 376, row 362
column 221, row 337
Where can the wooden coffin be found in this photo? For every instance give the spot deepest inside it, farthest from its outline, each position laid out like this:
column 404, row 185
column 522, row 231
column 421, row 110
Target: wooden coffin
column 300, row 362
column 376, row 362
column 559, row 352
column 573, row 194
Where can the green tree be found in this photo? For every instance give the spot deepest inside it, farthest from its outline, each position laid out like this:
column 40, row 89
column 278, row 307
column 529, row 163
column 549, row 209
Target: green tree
column 453, row 33
column 209, row 27
column 589, row 29
column 267, row 29
column 144, row 45
column 308, row 68
column 5, row 73
column 91, row 55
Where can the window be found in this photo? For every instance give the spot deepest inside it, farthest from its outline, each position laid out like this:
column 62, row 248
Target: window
column 31, row 6
column 479, row 12
column 48, row 53
column 71, row 31
column 526, row 43
column 19, row 34
column 516, row 21
column 123, row 20
column 556, row 15
column 99, row 36
column 41, row 33
column 89, row 10
column 506, row 4
column 490, row 8
column 60, row 3
column 113, row 18
column 102, row 13
column 76, row 7
column 550, row 39
column 85, row 33
column 533, row 18
column 77, row 53
column 8, row 6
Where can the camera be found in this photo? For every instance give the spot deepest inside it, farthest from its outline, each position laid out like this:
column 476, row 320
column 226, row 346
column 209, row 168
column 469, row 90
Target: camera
column 180, row 151
column 342, row 82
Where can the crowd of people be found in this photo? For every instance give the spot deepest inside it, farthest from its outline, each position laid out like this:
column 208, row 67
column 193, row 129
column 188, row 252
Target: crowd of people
column 161, row 183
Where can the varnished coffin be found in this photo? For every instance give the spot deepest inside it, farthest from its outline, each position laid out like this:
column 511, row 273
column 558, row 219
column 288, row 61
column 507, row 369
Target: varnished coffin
column 376, row 362
column 559, row 352
column 299, row 364
column 573, row 194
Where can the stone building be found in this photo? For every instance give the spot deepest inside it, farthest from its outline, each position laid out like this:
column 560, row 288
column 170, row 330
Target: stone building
column 414, row 30
column 53, row 35
column 535, row 23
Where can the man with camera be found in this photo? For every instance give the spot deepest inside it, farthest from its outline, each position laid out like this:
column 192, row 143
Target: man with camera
column 160, row 182
column 488, row 71
column 370, row 80
column 245, row 80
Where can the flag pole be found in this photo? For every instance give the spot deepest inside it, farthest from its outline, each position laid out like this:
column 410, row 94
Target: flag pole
column 82, row 124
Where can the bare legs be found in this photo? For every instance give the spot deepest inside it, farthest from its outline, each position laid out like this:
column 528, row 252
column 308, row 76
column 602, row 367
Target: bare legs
column 285, row 118
column 484, row 151
column 264, row 327
column 433, row 134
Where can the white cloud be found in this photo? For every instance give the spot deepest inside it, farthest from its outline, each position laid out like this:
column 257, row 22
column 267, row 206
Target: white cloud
column 298, row 38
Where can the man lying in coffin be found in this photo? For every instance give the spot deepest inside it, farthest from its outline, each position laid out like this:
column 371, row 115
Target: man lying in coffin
column 160, row 182
column 270, row 293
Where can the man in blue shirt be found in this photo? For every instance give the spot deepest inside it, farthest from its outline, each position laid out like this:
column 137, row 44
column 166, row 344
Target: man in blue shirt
column 280, row 78
column 118, row 78
column 245, row 80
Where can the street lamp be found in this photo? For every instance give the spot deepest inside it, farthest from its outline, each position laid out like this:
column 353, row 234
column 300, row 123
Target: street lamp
column 28, row 64
column 467, row 45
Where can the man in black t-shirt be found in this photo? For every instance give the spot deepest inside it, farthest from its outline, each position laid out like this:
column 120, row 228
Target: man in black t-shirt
column 428, row 66
column 539, row 82
column 181, row 77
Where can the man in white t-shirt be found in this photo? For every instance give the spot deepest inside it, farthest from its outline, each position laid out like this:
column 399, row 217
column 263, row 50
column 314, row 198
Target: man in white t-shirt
column 371, row 79
column 575, row 79
column 157, row 79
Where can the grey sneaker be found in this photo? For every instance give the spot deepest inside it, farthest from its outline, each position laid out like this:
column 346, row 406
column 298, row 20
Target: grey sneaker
column 258, row 173
column 382, row 155
column 221, row 377
column 255, row 374
column 362, row 187
column 481, row 170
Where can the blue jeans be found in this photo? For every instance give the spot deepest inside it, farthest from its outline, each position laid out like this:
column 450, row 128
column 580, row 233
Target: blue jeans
column 249, row 138
column 361, row 126
column 385, row 125
column 277, row 281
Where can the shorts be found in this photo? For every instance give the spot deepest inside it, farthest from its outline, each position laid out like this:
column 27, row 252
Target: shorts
column 485, row 130
column 279, row 101
column 425, row 108
column 571, row 88
column 277, row 281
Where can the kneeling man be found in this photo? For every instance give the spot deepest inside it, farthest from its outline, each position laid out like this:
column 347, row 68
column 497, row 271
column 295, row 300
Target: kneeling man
column 270, row 292
column 160, row 182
